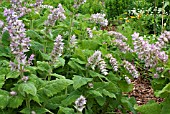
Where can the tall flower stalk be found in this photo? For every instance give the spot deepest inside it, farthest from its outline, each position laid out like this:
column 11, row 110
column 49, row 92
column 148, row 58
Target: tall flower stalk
column 56, row 14
column 96, row 60
column 58, row 48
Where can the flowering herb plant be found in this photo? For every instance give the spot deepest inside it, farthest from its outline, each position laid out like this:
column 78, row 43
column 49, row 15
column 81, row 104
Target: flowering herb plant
column 53, row 60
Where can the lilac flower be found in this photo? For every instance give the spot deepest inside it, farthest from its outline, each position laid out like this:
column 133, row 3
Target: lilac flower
column 90, row 85
column 31, row 59
column 123, row 46
column 78, row 3
column 156, row 75
column 90, row 32
column 94, row 59
column 150, row 53
column 33, row 112
column 131, row 68
column 13, row 66
column 58, row 47
column 113, row 62
column 1, row 24
column 25, row 78
column 19, row 42
column 128, row 80
column 73, row 41
column 38, row 3
column 102, row 66
column 46, row 6
column 80, row 103
column 13, row 93
column 163, row 38
column 56, row 14
column 99, row 18
column 160, row 69
column 117, row 35
column 18, row 8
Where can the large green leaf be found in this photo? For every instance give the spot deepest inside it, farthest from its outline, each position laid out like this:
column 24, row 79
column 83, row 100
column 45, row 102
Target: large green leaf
column 6, row 38
column 4, row 51
column 100, row 100
column 164, row 92
column 60, row 62
column 13, row 74
column 95, row 93
column 15, row 101
column 4, row 98
column 71, row 98
column 28, row 88
column 74, row 65
column 65, row 110
column 80, row 81
column 36, row 46
column 44, row 66
column 2, row 80
column 89, row 44
column 55, row 102
column 37, row 110
column 152, row 108
column 33, row 35
column 107, row 93
column 165, row 107
column 45, row 56
column 55, row 86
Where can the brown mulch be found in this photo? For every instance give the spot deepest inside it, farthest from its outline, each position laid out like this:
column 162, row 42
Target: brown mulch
column 143, row 91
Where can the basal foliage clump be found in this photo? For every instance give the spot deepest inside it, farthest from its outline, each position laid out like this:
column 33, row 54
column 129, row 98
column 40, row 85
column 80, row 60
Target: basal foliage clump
column 53, row 60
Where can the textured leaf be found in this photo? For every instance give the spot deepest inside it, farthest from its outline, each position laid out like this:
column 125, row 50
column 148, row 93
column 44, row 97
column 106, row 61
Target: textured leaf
column 152, row 108
column 44, row 66
column 4, row 98
column 95, row 74
column 80, row 81
column 55, row 86
column 89, row 44
column 65, row 110
column 100, row 100
column 111, row 95
column 15, row 101
column 12, row 74
column 5, row 38
column 78, row 61
column 33, row 35
column 36, row 46
column 28, row 88
column 129, row 103
column 4, row 51
column 45, row 56
column 74, row 65
column 37, row 110
column 165, row 108
column 2, row 80
column 95, row 93
column 59, row 62
column 164, row 92
column 55, row 102
column 71, row 98
column 58, row 76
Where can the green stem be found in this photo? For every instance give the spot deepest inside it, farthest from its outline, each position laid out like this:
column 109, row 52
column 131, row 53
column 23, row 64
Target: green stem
column 31, row 24
column 27, row 101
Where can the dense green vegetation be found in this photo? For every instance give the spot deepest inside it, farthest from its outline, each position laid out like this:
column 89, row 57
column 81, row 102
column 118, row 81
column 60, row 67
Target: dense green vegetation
column 63, row 56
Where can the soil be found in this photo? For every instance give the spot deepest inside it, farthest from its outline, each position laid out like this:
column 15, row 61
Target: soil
column 143, row 91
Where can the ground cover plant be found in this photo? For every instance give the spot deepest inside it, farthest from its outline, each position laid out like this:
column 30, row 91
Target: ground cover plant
column 56, row 58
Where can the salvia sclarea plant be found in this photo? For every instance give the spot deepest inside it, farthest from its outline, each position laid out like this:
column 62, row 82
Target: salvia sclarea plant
column 39, row 74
